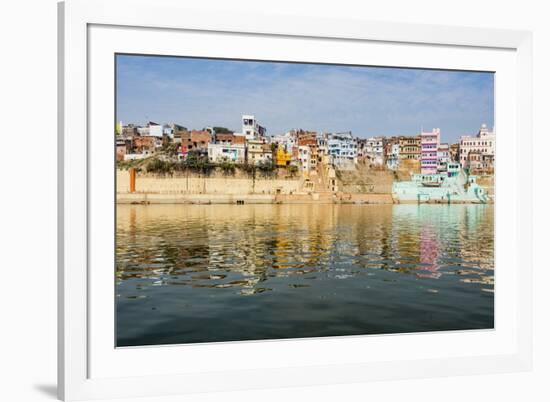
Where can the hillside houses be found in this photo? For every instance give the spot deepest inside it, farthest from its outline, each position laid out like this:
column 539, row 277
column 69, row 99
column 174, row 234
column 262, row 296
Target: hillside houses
column 304, row 149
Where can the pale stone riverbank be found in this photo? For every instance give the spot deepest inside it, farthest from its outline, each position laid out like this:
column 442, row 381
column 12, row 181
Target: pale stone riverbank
column 220, row 189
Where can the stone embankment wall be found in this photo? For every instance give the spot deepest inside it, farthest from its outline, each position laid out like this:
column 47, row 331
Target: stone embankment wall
column 364, row 198
column 366, row 181
column 487, row 182
column 216, row 184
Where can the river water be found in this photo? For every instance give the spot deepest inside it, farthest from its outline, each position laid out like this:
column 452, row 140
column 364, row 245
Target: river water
column 210, row 273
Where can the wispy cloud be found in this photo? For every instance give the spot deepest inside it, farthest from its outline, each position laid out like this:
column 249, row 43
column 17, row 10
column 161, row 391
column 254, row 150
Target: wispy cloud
column 366, row 100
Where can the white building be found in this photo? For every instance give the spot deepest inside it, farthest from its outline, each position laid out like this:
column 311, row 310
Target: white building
column 251, row 129
column 288, row 140
column 322, row 147
column 374, row 150
column 226, row 152
column 152, row 129
column 168, row 129
column 482, row 143
column 392, row 158
column 142, row 130
column 304, row 155
column 155, row 129
column 443, row 155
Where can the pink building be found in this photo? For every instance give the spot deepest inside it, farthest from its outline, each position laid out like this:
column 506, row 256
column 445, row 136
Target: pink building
column 429, row 142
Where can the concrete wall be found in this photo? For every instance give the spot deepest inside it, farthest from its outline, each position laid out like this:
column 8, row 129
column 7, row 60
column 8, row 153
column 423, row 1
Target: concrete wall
column 194, row 184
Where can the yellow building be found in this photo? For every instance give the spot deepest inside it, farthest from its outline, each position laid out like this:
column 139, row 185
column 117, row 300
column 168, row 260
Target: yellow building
column 282, row 158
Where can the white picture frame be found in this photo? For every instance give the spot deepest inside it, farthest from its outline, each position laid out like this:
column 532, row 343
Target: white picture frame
column 90, row 31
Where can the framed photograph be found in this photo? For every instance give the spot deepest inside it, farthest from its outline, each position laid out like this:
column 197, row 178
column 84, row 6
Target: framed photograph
column 253, row 201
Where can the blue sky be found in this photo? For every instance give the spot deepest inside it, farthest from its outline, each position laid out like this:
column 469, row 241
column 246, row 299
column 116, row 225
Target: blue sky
column 366, row 100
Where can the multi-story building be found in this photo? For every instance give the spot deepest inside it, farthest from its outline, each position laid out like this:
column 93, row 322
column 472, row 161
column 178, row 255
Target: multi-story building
column 168, row 130
column 226, row 153
column 304, row 153
column 229, row 139
column 477, row 161
column 226, row 147
column 151, row 129
column 391, row 154
column 454, row 152
column 307, row 155
column 409, row 147
column 443, row 154
column 251, row 129
column 474, row 160
column 258, row 151
column 146, row 144
column 155, row 129
column 129, row 131
column 430, row 144
column 322, row 148
column 482, row 143
column 374, row 150
column 306, row 137
column 288, row 140
column 195, row 141
column 342, row 148
column 142, row 130
column 488, row 163
column 179, row 134
column 307, row 149
column 443, row 158
column 361, row 148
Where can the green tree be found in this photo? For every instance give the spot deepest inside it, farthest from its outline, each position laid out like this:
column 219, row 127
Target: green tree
column 222, row 130
column 266, row 168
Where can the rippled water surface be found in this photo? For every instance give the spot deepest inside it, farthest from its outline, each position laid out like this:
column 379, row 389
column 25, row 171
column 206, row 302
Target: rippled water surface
column 208, row 273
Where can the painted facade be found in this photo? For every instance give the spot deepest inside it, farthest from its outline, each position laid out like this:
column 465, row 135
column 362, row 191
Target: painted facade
column 391, row 151
column 342, row 148
column 226, row 153
column 258, row 152
column 409, row 147
column 481, row 145
column 429, row 142
column 374, row 150
column 282, row 157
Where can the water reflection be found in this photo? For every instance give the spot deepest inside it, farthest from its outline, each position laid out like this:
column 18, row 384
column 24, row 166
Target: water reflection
column 176, row 264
